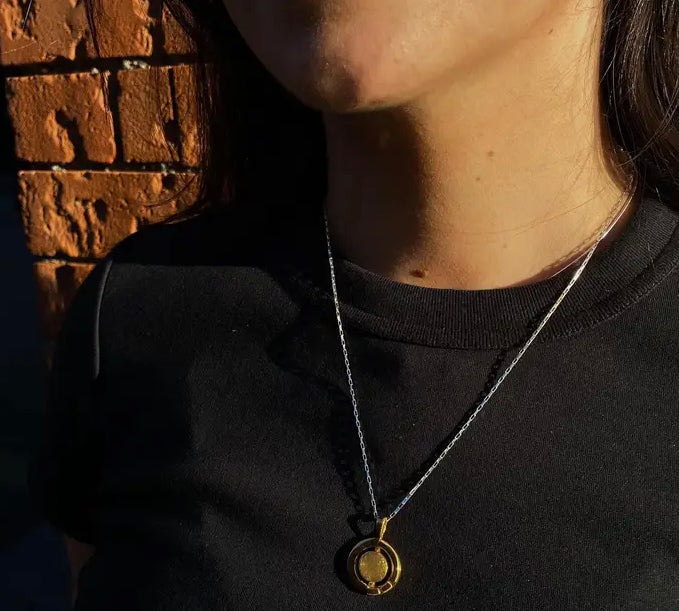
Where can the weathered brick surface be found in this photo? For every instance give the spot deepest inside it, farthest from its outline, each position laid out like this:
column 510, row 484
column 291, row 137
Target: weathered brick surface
column 57, row 283
column 57, row 29
column 84, row 214
column 187, row 112
column 152, row 127
column 176, row 42
column 61, row 118
column 148, row 125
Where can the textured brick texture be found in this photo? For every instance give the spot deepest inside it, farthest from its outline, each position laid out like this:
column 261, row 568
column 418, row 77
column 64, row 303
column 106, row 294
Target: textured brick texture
column 57, row 29
column 176, row 42
column 156, row 125
column 57, row 282
column 147, row 118
column 84, row 214
column 187, row 113
column 61, row 118
column 105, row 142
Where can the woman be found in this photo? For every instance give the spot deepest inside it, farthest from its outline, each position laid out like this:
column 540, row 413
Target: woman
column 410, row 211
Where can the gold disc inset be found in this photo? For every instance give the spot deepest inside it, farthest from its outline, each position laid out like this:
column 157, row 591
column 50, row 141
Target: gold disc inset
column 374, row 566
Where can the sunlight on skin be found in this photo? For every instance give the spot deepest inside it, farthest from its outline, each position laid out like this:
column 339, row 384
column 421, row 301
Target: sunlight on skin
column 465, row 146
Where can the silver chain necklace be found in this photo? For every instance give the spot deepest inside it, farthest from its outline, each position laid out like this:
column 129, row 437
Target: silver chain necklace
column 373, row 565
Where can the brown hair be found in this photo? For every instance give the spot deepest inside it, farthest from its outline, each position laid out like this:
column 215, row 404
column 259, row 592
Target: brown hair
column 260, row 144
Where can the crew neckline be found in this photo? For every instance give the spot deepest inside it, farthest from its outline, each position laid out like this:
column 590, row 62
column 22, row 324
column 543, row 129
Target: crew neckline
column 644, row 252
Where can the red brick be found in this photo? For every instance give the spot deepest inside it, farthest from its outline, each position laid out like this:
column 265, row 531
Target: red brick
column 124, row 28
column 57, row 283
column 187, row 112
column 58, row 29
column 147, row 121
column 61, row 118
column 177, row 42
column 54, row 29
column 84, row 214
column 151, row 128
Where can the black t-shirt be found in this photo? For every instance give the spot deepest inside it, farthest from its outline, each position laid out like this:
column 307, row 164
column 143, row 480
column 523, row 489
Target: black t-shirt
column 200, row 432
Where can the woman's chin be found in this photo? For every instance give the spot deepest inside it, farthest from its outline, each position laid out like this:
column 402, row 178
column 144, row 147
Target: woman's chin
column 341, row 94
column 335, row 83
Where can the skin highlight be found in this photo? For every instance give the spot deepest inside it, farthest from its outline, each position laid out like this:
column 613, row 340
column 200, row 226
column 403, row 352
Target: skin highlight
column 464, row 138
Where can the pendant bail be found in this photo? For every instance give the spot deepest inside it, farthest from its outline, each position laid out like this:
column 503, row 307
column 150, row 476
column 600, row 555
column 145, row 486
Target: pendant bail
column 383, row 527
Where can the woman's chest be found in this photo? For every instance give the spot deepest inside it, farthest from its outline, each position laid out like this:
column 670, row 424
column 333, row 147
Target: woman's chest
column 240, row 484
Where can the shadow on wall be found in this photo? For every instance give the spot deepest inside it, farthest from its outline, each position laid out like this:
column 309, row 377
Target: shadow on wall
column 33, row 566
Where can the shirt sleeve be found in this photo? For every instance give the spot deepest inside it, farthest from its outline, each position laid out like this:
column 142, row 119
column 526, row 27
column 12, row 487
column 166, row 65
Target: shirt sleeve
column 63, row 467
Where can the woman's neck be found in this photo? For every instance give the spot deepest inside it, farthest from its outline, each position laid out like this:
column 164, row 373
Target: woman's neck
column 495, row 177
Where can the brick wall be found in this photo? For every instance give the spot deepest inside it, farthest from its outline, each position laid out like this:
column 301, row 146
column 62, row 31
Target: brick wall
column 91, row 167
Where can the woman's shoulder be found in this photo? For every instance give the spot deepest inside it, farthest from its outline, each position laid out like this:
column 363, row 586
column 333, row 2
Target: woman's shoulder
column 223, row 263
column 208, row 237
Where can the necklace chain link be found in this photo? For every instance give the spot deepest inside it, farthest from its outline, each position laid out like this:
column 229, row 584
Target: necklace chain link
column 629, row 192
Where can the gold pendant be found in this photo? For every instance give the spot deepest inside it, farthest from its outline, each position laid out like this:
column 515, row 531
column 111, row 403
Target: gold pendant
column 373, row 565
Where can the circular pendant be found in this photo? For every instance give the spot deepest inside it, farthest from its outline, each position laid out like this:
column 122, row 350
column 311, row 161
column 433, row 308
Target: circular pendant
column 373, row 565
